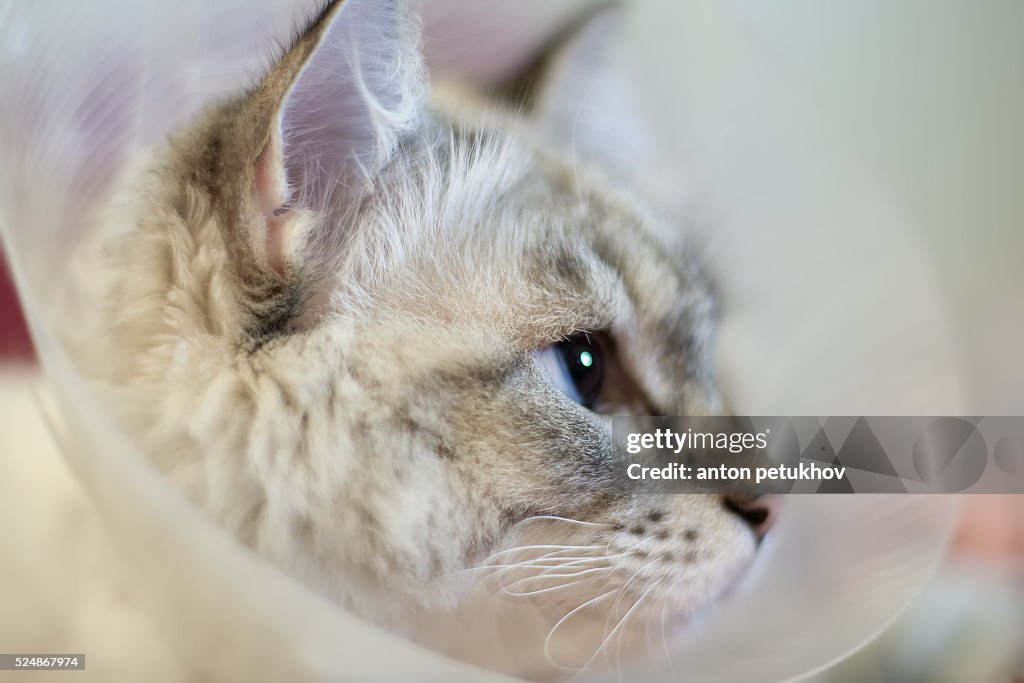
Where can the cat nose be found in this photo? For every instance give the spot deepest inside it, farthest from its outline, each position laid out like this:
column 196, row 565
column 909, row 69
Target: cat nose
column 759, row 512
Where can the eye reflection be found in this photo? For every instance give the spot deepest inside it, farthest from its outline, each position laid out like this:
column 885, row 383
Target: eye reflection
column 575, row 365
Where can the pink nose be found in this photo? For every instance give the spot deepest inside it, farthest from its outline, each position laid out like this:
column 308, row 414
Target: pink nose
column 760, row 512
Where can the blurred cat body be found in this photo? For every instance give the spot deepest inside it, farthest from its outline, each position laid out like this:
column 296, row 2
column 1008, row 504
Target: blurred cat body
column 319, row 307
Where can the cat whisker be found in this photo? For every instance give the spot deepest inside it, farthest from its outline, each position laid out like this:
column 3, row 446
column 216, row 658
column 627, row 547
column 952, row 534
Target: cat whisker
column 547, row 641
column 514, row 574
column 570, row 563
column 550, row 546
column 624, row 590
column 550, row 559
column 567, row 520
column 564, row 559
column 613, row 612
column 556, row 555
column 536, row 563
column 559, row 556
column 621, row 623
column 664, row 642
column 549, row 589
column 596, row 570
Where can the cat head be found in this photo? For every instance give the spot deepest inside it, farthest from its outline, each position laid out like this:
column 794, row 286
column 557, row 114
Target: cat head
column 378, row 333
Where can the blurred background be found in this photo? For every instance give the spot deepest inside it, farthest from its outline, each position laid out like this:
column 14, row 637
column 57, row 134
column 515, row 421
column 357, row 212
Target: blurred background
column 855, row 172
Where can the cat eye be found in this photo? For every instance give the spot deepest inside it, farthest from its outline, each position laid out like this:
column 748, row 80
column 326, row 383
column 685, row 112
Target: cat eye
column 576, row 365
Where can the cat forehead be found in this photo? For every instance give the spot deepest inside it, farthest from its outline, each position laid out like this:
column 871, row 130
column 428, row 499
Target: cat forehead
column 500, row 225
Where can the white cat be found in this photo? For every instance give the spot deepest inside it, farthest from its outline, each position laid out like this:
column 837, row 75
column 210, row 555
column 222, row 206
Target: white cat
column 376, row 333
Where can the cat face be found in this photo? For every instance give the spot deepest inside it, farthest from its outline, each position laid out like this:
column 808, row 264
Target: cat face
column 378, row 338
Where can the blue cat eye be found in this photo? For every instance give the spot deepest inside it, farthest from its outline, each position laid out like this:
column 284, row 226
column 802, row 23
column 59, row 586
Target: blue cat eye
column 575, row 367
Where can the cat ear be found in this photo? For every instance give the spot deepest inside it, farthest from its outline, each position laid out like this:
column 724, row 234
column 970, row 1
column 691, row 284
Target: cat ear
column 335, row 108
column 584, row 102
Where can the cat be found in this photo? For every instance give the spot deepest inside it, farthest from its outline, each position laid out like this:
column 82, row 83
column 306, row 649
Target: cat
column 376, row 330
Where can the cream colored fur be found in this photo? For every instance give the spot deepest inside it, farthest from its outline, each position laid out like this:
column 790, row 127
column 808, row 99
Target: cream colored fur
column 367, row 412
